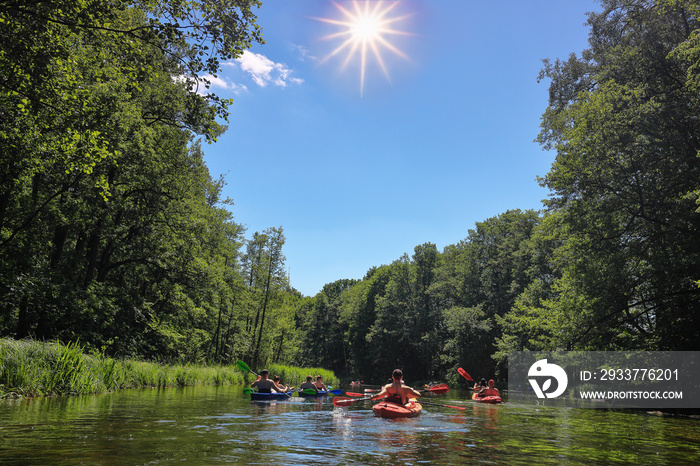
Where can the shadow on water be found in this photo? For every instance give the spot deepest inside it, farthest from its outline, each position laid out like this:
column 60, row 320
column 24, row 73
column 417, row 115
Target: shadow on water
column 219, row 425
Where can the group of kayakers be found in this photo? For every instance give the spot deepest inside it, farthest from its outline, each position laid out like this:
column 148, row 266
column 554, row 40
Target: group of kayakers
column 318, row 385
column 265, row 385
column 394, row 391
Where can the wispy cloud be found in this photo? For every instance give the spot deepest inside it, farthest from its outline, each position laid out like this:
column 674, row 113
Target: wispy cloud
column 217, row 82
column 264, row 71
column 304, row 53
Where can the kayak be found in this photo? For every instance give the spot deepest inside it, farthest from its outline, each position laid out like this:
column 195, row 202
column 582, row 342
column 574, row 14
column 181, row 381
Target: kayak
column 437, row 389
column 313, row 395
column 257, row 396
column 389, row 409
column 493, row 399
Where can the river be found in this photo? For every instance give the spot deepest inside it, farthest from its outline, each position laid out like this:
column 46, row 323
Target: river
column 220, row 425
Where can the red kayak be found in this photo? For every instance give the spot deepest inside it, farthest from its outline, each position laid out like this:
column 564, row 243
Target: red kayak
column 389, row 409
column 487, row 399
column 437, row 389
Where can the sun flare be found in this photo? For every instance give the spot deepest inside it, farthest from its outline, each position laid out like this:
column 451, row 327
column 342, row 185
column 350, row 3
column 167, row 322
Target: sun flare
column 364, row 27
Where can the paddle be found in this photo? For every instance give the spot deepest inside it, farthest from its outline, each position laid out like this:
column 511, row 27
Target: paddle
column 464, row 374
column 244, row 367
column 437, row 389
column 343, row 401
column 438, row 404
column 354, row 394
column 248, row 391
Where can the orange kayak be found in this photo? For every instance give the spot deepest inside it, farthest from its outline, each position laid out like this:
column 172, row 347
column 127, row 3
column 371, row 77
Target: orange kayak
column 389, row 409
column 487, row 399
column 436, row 389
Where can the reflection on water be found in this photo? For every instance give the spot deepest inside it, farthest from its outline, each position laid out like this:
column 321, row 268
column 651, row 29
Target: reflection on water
column 215, row 425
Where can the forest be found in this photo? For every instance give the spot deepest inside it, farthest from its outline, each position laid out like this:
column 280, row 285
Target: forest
column 114, row 234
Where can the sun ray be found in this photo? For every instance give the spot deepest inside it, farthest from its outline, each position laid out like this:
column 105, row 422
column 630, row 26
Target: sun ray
column 348, row 42
column 380, row 60
column 365, row 28
column 390, row 46
column 352, row 51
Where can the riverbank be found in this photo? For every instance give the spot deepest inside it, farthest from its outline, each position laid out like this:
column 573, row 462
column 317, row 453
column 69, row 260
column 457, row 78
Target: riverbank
column 31, row 368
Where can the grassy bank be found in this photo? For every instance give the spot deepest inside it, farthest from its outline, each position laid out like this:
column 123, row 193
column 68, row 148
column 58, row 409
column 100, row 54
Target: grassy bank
column 31, row 368
column 295, row 376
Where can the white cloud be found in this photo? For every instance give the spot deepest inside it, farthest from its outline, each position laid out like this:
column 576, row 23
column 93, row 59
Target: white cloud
column 215, row 81
column 264, row 71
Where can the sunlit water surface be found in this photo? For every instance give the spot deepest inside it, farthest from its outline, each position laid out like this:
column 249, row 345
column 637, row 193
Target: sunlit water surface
column 219, row 425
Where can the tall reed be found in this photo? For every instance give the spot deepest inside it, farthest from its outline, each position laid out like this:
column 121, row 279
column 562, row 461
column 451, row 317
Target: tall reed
column 32, row 368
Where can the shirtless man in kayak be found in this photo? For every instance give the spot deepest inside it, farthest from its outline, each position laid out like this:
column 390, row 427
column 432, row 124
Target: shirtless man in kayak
column 264, row 384
column 396, row 391
column 308, row 384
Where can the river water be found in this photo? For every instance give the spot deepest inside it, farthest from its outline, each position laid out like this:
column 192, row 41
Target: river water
column 220, row 425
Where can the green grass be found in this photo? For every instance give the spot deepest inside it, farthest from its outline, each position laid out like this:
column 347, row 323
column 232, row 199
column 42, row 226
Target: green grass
column 31, row 368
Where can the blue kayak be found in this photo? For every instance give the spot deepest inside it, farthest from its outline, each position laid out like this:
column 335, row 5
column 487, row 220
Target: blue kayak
column 313, row 395
column 257, row 396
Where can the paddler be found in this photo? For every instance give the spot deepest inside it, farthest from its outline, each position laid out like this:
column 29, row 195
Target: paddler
column 308, row 384
column 278, row 385
column 264, row 384
column 319, row 384
column 490, row 390
column 396, row 391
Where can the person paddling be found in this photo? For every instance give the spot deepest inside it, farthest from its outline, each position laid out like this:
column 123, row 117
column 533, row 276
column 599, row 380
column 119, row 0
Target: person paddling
column 308, row 384
column 264, row 384
column 396, row 391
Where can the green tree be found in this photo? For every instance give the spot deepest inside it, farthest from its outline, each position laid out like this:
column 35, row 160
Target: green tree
column 623, row 120
column 531, row 324
column 478, row 282
column 359, row 311
column 466, row 342
column 428, row 323
column 324, row 329
column 265, row 272
column 111, row 229
column 392, row 334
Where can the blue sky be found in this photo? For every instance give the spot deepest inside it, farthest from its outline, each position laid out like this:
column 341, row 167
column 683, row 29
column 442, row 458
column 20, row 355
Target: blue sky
column 358, row 175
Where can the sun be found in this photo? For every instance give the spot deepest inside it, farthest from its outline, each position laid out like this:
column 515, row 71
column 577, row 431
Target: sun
column 365, row 29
